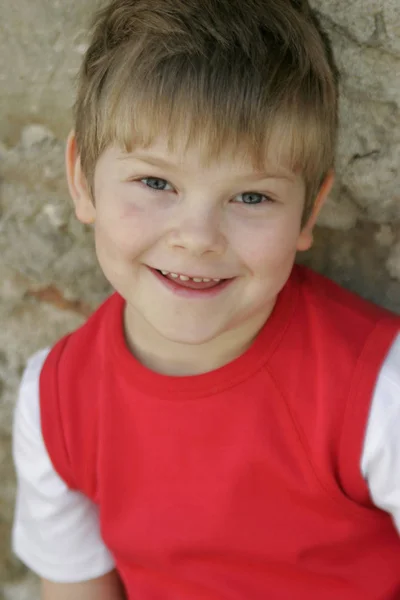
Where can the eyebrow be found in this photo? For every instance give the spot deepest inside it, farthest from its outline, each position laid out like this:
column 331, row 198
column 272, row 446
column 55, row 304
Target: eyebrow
column 158, row 161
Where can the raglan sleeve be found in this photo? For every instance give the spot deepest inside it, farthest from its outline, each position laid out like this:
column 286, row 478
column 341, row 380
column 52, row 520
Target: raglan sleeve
column 380, row 462
column 56, row 531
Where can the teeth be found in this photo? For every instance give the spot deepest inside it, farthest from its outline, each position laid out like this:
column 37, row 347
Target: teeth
column 186, row 278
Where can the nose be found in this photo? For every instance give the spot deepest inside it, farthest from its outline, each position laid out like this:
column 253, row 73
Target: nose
column 197, row 229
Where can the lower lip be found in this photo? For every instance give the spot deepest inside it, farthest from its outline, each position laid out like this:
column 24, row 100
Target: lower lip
column 189, row 293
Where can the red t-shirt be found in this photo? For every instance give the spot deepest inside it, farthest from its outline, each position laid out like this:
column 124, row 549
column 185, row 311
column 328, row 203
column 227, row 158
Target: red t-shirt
column 239, row 484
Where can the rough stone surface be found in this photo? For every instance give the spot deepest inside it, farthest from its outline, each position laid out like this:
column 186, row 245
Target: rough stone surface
column 49, row 279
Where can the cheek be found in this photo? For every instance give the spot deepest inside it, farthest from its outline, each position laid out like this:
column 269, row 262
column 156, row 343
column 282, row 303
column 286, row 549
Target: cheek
column 123, row 227
column 270, row 245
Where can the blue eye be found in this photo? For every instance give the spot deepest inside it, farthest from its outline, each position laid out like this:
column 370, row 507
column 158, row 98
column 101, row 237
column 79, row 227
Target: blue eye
column 155, row 183
column 253, row 198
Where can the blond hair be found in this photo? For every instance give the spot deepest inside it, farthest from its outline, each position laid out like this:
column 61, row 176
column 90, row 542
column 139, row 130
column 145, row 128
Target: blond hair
column 230, row 75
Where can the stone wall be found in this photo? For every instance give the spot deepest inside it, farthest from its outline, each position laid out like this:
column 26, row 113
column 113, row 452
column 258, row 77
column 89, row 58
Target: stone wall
column 49, row 280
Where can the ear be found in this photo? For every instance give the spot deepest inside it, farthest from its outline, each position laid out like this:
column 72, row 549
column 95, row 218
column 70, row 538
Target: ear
column 306, row 237
column 77, row 183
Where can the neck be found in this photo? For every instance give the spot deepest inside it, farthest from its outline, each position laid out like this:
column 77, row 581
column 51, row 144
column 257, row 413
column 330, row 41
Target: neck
column 178, row 359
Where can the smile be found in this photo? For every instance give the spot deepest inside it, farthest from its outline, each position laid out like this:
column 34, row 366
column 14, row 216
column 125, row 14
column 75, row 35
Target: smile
column 191, row 286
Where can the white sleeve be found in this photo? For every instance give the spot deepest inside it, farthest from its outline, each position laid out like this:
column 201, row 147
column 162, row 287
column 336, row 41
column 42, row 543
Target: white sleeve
column 56, row 530
column 380, row 462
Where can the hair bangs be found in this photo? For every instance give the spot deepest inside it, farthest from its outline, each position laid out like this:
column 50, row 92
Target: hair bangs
column 185, row 102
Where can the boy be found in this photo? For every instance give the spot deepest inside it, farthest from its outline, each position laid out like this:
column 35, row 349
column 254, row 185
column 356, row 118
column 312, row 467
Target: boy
column 223, row 427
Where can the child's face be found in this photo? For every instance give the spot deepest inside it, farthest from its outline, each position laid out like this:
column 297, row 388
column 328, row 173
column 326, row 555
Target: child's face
column 161, row 211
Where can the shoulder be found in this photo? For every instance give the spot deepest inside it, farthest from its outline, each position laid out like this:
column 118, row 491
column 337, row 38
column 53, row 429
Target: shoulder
column 390, row 374
column 74, row 359
column 32, row 370
column 380, row 462
column 343, row 318
column 71, row 549
column 333, row 354
column 383, row 425
column 27, row 428
column 70, row 385
column 106, row 317
column 320, row 290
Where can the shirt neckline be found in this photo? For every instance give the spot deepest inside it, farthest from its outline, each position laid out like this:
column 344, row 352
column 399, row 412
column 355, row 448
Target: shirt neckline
column 194, row 386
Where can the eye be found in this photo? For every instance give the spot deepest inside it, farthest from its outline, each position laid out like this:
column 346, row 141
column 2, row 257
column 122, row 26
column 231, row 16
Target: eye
column 155, row 183
column 252, row 198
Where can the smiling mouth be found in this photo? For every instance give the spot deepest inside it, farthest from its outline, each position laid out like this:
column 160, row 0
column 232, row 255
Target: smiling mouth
column 194, row 283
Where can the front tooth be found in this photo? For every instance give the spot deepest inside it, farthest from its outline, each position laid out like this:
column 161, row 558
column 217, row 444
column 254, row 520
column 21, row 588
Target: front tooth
column 174, row 275
column 165, row 272
column 184, row 277
column 216, row 280
column 206, row 280
column 197, row 279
